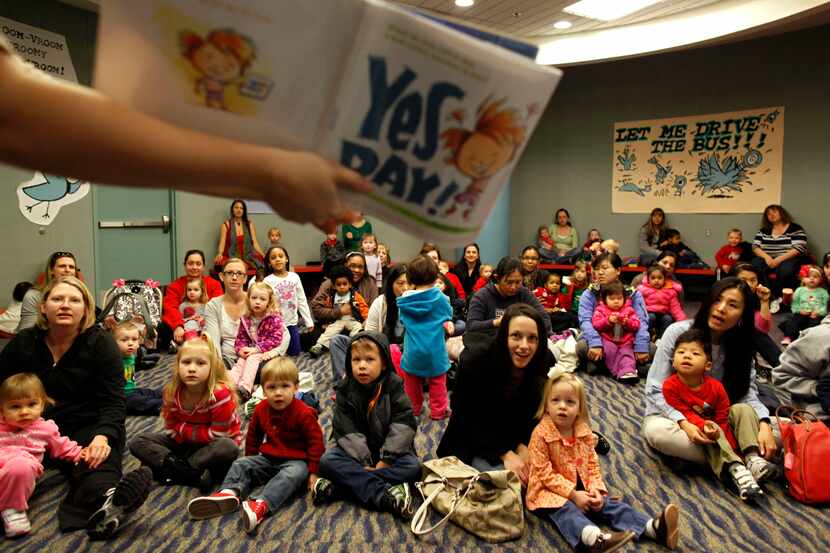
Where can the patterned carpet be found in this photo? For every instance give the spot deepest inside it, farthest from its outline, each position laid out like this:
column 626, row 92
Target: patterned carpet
column 711, row 519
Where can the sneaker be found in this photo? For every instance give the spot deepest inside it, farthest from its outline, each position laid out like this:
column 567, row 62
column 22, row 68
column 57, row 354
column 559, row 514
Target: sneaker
column 253, row 512
column 213, row 505
column 610, row 541
column 315, row 351
column 127, row 496
column 15, row 523
column 775, row 306
column 629, row 378
column 398, row 501
column 761, row 469
column 666, row 527
column 748, row 488
column 601, row 445
column 322, row 492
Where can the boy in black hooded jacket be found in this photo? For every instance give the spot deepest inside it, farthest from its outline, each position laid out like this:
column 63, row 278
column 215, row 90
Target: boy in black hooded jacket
column 372, row 458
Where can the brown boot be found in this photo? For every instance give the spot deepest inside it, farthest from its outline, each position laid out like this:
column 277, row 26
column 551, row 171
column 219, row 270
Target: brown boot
column 611, row 541
column 666, row 530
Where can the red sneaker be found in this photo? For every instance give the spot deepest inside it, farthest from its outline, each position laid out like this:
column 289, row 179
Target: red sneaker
column 213, row 505
column 253, row 511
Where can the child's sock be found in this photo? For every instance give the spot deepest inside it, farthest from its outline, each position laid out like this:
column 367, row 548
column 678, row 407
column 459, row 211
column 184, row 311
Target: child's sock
column 651, row 528
column 590, row 535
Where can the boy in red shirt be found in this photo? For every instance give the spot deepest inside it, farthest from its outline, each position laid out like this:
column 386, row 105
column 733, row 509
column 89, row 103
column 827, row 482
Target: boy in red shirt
column 282, row 450
column 704, row 403
column 734, row 251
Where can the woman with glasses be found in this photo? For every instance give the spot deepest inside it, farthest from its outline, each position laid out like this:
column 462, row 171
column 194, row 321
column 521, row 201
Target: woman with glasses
column 504, row 289
column 172, row 323
column 223, row 312
column 532, row 276
column 59, row 265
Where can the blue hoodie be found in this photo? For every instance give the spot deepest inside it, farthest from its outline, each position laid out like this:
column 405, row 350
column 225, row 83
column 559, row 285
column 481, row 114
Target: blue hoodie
column 423, row 315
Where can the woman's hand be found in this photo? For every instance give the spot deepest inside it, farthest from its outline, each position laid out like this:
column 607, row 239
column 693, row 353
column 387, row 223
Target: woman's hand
column 772, row 263
column 97, row 451
column 766, row 442
column 642, row 356
column 497, row 322
column 178, row 335
column 581, row 499
column 513, row 462
column 762, row 292
column 695, row 434
column 217, row 259
column 595, row 354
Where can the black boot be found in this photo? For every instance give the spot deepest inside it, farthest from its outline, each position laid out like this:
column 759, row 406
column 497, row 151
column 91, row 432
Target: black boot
column 182, row 472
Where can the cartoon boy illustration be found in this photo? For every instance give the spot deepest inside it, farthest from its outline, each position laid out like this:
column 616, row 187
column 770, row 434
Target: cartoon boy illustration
column 221, row 58
column 481, row 153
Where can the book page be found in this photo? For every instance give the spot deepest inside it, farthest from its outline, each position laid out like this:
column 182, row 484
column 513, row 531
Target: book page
column 437, row 120
column 261, row 72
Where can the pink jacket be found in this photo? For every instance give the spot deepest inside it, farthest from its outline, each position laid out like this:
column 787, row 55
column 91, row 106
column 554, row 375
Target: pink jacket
column 268, row 333
column 664, row 300
column 627, row 318
column 35, row 440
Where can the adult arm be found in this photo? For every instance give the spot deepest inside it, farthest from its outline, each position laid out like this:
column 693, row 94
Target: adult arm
column 124, row 147
column 642, row 341
column 213, row 322
column 220, row 248
column 321, row 304
column 660, row 370
column 29, row 308
column 645, row 245
column 479, row 313
column 108, row 379
column 804, row 362
column 587, row 305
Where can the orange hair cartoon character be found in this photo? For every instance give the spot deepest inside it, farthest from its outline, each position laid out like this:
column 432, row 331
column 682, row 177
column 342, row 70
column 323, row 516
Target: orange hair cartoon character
column 221, row 58
column 481, row 153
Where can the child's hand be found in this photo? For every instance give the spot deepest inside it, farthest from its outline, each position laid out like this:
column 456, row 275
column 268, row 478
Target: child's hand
column 449, row 328
column 379, row 465
column 312, row 479
column 695, row 434
column 724, row 268
column 613, row 318
column 596, row 500
column 581, row 499
column 814, row 315
column 711, row 430
column 84, row 456
column 345, row 309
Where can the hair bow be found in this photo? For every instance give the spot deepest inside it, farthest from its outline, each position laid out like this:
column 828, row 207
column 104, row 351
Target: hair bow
column 152, row 283
column 118, row 282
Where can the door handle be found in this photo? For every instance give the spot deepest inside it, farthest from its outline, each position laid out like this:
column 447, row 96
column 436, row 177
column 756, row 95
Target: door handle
column 163, row 224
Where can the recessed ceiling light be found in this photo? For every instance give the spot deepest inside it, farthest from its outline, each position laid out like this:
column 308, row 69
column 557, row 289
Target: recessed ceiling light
column 464, row 3
column 607, row 10
column 562, row 24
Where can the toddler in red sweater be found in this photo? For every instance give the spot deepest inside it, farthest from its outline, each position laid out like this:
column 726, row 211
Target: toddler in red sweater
column 710, row 420
column 734, row 251
column 282, row 451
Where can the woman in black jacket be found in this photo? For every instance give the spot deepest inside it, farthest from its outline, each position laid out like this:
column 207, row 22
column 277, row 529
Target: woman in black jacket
column 498, row 391
column 81, row 369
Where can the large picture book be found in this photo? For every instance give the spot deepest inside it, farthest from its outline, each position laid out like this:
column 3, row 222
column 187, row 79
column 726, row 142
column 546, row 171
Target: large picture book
column 435, row 118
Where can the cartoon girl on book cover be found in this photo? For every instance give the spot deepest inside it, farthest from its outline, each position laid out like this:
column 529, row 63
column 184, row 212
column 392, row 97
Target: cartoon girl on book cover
column 221, row 59
column 481, row 153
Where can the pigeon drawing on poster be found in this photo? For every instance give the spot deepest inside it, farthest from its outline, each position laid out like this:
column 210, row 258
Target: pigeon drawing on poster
column 41, row 198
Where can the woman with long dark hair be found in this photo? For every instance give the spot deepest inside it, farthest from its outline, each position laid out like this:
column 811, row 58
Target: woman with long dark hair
column 781, row 247
column 237, row 238
column 468, row 268
column 499, row 389
column 651, row 236
column 726, row 319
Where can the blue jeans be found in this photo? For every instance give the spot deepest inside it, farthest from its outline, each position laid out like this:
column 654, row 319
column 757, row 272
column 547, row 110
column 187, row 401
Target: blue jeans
column 338, row 347
column 659, row 322
column 618, row 515
column 352, row 480
column 144, row 401
column 281, row 478
column 294, row 344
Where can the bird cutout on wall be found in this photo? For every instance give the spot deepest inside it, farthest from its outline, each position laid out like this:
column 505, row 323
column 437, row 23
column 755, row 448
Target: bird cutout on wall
column 41, row 198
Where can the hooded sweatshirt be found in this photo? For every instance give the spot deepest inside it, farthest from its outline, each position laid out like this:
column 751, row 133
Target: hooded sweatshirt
column 374, row 422
column 804, row 371
column 423, row 314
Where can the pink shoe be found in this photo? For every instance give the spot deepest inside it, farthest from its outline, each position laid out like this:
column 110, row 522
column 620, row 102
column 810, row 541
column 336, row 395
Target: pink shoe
column 253, row 512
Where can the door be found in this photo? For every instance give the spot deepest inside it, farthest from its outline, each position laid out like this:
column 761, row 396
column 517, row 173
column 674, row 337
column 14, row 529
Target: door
column 134, row 235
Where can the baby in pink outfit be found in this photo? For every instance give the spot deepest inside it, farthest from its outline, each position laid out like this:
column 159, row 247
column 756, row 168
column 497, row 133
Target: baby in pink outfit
column 24, row 438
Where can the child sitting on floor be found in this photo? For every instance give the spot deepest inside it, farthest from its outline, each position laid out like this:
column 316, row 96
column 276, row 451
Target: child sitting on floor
column 140, row 401
column 545, row 244
column 373, row 429
column 426, row 315
column 565, row 483
column 579, row 283
column 484, row 273
column 734, row 252
column 686, row 257
column 282, row 451
column 764, row 345
column 201, row 428
column 556, row 300
column 703, row 401
column 662, row 303
column 617, row 323
column 193, row 308
column 24, row 438
column 591, row 247
column 809, row 304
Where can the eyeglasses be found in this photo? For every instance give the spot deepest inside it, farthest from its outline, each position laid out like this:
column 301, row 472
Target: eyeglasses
column 234, row 274
column 530, row 258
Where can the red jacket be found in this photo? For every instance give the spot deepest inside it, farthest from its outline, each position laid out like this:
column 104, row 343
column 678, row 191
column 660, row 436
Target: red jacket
column 709, row 402
column 480, row 283
column 664, row 300
column 207, row 422
column 176, row 293
column 292, row 433
column 453, row 278
column 729, row 255
column 627, row 318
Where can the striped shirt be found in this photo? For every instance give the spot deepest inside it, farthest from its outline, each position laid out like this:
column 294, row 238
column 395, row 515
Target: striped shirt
column 792, row 238
column 208, row 421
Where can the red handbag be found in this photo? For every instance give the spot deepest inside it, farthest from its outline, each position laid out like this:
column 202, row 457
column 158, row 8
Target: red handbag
column 806, row 454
